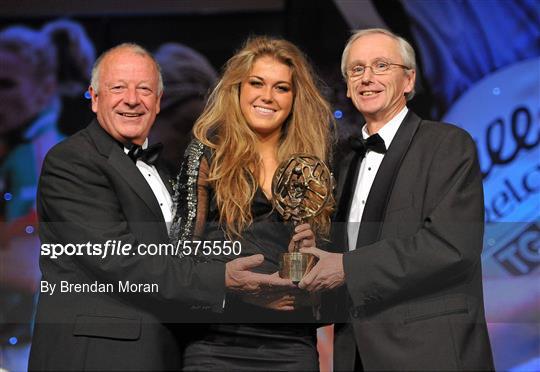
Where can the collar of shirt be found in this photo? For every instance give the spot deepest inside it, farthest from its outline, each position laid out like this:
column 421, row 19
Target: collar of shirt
column 366, row 176
column 144, row 146
column 389, row 130
column 152, row 177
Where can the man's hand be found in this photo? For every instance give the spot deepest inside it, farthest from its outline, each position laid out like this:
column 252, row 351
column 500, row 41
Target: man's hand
column 304, row 236
column 327, row 274
column 287, row 299
column 239, row 278
column 276, row 301
column 280, row 299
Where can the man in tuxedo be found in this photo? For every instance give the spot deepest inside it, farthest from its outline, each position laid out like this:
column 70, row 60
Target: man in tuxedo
column 409, row 227
column 104, row 184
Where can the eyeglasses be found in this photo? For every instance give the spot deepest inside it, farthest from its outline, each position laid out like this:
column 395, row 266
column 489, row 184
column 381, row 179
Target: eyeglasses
column 378, row 68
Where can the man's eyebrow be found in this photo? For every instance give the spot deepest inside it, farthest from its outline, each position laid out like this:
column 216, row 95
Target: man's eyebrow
column 355, row 62
column 359, row 62
column 114, row 82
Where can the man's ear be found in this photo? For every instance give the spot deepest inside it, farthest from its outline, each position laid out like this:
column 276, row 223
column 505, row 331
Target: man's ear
column 94, row 96
column 158, row 103
column 411, row 76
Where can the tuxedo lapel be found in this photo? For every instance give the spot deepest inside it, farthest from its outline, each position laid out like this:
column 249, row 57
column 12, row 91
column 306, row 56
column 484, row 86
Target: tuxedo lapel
column 131, row 174
column 348, row 170
column 125, row 167
column 343, row 187
column 379, row 194
column 349, row 167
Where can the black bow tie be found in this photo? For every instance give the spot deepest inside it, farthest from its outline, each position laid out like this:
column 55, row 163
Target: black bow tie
column 148, row 155
column 372, row 143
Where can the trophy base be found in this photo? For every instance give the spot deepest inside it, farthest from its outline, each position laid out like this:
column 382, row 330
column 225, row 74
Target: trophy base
column 295, row 265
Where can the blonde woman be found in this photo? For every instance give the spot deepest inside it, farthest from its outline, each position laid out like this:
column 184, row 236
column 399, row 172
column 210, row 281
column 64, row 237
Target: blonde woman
column 265, row 108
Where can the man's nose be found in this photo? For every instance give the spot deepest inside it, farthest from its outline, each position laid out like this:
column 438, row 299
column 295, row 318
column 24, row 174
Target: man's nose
column 131, row 97
column 367, row 75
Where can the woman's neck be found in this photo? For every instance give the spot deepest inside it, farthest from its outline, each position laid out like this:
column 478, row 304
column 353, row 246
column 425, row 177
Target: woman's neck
column 267, row 150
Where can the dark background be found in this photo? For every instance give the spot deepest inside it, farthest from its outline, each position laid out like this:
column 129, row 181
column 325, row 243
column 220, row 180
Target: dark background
column 217, row 28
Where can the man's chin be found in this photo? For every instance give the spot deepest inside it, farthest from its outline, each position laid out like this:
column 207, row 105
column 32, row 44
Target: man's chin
column 133, row 135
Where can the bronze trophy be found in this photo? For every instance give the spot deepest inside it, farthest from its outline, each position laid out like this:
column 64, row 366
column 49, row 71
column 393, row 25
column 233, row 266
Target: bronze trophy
column 301, row 187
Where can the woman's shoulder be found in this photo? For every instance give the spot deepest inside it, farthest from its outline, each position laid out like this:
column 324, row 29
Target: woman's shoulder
column 196, row 150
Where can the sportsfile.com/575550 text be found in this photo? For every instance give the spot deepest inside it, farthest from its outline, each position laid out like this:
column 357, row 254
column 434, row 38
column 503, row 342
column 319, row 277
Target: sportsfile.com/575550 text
column 117, row 248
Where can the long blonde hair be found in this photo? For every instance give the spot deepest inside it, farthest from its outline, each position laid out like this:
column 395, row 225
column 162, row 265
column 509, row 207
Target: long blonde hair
column 223, row 128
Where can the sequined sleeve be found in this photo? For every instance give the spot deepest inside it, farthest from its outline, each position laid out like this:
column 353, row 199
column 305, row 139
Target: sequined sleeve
column 190, row 199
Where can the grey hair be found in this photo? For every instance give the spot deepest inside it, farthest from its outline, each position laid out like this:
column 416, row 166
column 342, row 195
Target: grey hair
column 135, row 48
column 405, row 50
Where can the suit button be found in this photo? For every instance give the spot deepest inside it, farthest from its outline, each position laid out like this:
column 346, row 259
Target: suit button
column 356, row 312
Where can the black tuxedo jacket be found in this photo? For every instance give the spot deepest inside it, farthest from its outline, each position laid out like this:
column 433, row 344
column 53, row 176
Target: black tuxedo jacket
column 413, row 286
column 90, row 191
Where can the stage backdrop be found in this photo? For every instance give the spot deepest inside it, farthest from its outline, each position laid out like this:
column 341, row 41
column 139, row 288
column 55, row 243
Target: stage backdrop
column 482, row 62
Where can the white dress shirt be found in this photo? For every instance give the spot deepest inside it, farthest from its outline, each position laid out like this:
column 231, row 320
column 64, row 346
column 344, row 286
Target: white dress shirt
column 152, row 177
column 366, row 175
